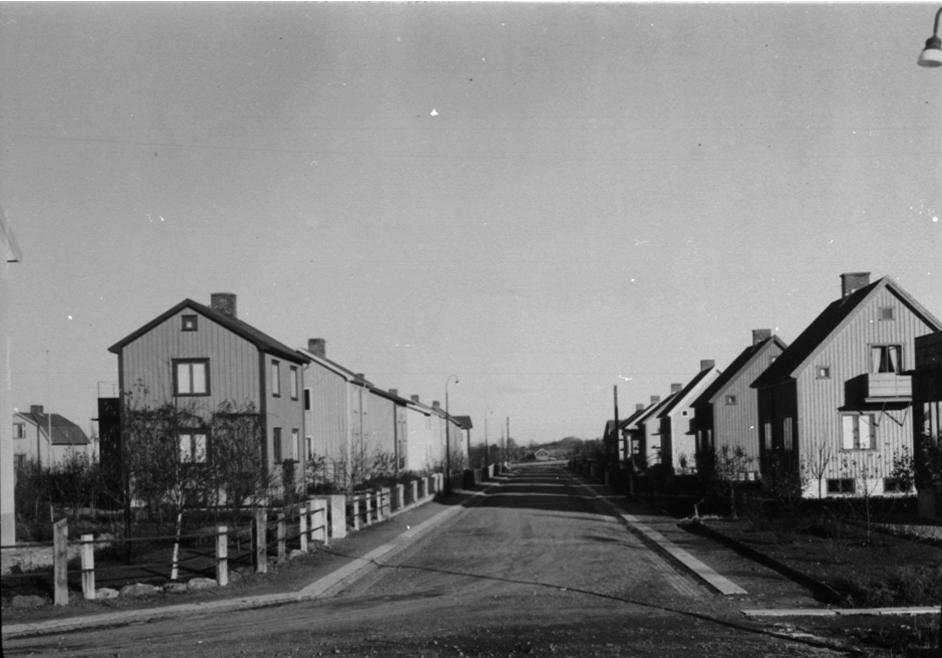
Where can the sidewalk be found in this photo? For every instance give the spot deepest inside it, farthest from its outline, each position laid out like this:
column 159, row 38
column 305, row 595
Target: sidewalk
column 760, row 591
column 330, row 568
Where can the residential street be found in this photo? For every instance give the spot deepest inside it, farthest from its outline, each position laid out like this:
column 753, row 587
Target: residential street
column 538, row 566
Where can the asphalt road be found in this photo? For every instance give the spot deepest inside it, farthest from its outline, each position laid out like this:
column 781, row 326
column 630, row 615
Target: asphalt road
column 536, row 567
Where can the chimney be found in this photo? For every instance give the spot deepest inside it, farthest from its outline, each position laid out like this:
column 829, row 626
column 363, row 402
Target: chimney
column 36, row 409
column 223, row 302
column 317, row 346
column 436, row 405
column 414, row 397
column 655, row 399
column 851, row 282
column 706, row 364
column 639, row 407
column 675, row 387
column 759, row 335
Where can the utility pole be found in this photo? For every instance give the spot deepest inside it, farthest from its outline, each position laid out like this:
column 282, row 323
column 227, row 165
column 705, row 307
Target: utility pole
column 615, row 438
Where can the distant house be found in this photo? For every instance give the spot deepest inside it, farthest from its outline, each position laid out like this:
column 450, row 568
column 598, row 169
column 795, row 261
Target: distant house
column 678, row 443
column 835, row 408
column 726, row 414
column 644, row 431
column 204, row 357
column 424, row 451
column 927, row 423
column 46, row 439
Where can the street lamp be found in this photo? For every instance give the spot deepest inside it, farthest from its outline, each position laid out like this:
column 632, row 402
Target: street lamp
column 448, row 436
column 931, row 56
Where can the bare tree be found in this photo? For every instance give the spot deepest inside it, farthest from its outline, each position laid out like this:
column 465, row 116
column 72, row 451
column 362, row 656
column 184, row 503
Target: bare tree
column 730, row 466
column 816, row 464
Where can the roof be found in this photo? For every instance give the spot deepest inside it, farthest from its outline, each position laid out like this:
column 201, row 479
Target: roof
column 733, row 369
column 64, row 431
column 816, row 333
column 650, row 410
column 463, row 421
column 682, row 393
column 261, row 340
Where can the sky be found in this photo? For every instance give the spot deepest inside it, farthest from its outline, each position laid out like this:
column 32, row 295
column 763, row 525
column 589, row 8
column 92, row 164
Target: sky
column 544, row 200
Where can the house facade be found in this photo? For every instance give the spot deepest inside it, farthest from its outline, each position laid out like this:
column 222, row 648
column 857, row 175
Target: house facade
column 726, row 414
column 644, row 431
column 203, row 358
column 835, row 408
column 46, row 440
column 678, row 441
column 927, row 424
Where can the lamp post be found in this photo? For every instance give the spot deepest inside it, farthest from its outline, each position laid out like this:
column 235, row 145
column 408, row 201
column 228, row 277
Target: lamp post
column 931, row 55
column 448, row 436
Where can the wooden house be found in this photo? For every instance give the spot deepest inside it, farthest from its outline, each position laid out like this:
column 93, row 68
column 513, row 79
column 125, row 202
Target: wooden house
column 726, row 414
column 45, row 439
column 678, row 444
column 205, row 357
column 835, row 408
column 927, row 424
column 644, row 431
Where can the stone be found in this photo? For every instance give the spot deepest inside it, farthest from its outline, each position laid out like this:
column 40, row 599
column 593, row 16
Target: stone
column 106, row 593
column 138, row 590
column 24, row 601
column 295, row 553
column 176, row 588
column 201, row 583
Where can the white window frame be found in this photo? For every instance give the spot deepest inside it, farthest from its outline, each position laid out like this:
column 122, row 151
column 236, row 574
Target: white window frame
column 854, row 427
column 185, row 379
column 193, row 446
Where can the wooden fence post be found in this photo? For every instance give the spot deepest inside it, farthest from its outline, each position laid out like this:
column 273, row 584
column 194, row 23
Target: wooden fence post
column 303, row 512
column 222, row 555
column 88, row 567
column 356, row 512
column 60, row 561
column 319, row 530
column 368, row 503
column 282, row 532
column 261, row 540
column 414, row 490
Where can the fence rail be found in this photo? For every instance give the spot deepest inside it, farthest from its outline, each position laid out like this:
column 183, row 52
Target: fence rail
column 275, row 534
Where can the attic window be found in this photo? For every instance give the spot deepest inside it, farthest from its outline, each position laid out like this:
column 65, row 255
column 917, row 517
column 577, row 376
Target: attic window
column 188, row 323
column 886, row 313
column 730, row 400
column 822, row 372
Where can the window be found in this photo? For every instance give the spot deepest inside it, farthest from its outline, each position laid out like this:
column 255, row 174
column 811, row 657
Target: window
column 191, row 376
column 788, row 441
column 822, row 372
column 276, row 445
column 293, row 383
column 275, row 379
column 885, row 358
column 19, row 430
column 193, row 447
column 841, row 486
column 895, row 485
column 767, row 434
column 885, row 313
column 309, row 444
column 858, row 432
column 730, row 400
column 19, row 462
column 188, row 323
column 307, row 399
column 296, row 444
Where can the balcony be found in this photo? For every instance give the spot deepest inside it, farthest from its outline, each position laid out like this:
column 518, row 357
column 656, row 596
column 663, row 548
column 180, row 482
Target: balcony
column 878, row 387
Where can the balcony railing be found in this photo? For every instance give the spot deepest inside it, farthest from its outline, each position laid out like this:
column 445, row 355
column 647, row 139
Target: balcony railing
column 879, row 387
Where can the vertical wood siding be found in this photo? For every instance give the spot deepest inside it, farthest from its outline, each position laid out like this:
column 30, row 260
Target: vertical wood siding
column 283, row 412
column 327, row 421
column 737, row 426
column 380, row 425
column 233, row 363
column 848, row 355
column 419, row 454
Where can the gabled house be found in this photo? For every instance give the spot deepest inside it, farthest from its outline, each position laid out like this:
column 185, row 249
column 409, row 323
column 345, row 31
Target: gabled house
column 424, row 447
column 835, row 408
column 678, row 443
column 46, row 440
column 726, row 413
column 204, row 358
column 644, row 431
column 927, row 424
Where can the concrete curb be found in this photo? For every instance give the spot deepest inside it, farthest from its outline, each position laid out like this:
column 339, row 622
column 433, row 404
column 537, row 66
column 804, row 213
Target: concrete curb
column 345, row 574
column 842, row 612
column 662, row 544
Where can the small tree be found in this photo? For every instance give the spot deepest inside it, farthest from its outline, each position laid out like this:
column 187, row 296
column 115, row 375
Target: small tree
column 730, row 466
column 816, row 465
